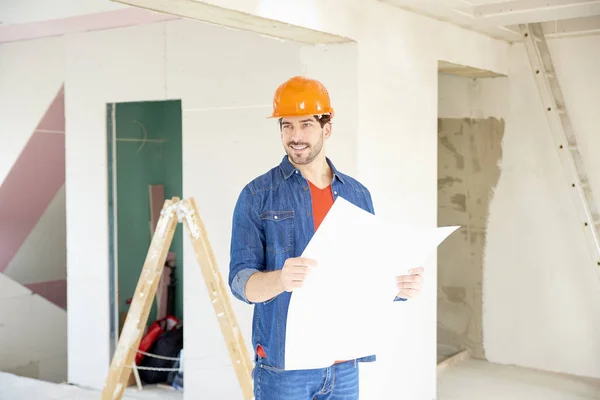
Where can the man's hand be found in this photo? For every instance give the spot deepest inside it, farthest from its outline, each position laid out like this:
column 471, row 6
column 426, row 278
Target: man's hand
column 295, row 271
column 410, row 285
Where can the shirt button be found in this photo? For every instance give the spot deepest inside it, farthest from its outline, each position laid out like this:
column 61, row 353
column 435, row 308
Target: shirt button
column 308, row 214
column 296, row 171
column 305, row 188
column 275, row 217
column 335, row 193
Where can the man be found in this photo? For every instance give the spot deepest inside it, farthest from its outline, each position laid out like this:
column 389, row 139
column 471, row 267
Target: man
column 275, row 217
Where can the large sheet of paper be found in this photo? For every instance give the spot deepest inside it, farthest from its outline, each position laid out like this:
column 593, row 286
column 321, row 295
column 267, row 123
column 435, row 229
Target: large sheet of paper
column 339, row 312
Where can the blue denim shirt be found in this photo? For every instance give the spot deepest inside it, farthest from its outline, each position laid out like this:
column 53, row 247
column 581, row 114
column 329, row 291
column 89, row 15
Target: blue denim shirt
column 272, row 221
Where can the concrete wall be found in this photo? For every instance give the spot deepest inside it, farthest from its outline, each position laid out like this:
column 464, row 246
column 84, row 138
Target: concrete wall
column 541, row 289
column 468, row 164
column 470, row 132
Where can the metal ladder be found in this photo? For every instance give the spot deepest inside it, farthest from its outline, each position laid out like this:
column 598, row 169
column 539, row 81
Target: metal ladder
column 564, row 136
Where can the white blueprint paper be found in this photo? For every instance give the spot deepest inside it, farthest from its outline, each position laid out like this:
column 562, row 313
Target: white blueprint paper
column 339, row 312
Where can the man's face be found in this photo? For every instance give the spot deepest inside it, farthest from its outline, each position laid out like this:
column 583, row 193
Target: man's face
column 303, row 138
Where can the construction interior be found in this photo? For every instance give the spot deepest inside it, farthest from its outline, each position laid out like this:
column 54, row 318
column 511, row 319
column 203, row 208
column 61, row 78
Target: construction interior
column 109, row 108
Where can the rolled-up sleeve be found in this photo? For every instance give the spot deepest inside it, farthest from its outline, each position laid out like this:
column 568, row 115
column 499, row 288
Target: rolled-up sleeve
column 247, row 244
column 238, row 286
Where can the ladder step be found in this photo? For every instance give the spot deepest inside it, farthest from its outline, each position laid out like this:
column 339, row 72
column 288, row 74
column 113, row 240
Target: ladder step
column 560, row 110
column 585, row 184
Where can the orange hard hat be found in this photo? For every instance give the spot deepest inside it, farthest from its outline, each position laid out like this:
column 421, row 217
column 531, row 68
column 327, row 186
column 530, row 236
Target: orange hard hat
column 301, row 96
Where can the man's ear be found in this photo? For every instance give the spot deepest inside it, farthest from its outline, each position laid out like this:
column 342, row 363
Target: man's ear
column 327, row 130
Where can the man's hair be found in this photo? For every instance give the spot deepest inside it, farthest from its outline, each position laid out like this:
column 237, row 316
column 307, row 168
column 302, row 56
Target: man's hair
column 322, row 119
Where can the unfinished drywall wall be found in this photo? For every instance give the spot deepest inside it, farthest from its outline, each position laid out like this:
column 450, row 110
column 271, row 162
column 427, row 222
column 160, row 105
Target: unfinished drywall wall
column 32, row 168
column 397, row 136
column 34, row 10
column 541, row 289
column 208, row 107
column 32, row 210
column 469, row 155
column 33, row 340
column 389, row 113
column 224, row 120
column 245, row 149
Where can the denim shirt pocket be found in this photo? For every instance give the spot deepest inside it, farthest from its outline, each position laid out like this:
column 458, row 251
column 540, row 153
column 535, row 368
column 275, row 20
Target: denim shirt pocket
column 279, row 231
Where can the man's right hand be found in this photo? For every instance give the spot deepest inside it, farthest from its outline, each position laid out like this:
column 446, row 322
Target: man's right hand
column 295, row 271
column 263, row 286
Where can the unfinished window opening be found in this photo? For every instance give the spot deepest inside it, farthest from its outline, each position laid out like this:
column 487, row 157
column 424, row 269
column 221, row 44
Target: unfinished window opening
column 144, row 169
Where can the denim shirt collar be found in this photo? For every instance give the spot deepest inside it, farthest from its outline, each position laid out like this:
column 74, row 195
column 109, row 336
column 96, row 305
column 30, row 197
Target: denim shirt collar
column 287, row 169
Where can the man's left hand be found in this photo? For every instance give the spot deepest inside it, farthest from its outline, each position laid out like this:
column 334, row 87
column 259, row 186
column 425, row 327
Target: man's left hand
column 410, row 285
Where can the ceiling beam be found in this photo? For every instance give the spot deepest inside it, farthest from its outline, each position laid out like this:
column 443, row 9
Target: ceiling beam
column 205, row 12
column 530, row 11
column 456, row 17
column 428, row 3
column 572, row 27
column 448, row 68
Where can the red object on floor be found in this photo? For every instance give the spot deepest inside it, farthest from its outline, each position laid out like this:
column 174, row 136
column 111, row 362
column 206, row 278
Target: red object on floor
column 153, row 333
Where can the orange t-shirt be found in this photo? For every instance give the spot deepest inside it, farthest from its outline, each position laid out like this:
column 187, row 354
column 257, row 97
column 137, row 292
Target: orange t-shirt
column 322, row 200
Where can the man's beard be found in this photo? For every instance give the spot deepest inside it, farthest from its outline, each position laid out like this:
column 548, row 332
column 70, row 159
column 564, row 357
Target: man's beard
column 309, row 154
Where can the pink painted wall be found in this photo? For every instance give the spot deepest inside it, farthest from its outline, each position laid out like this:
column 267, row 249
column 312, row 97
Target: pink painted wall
column 30, row 186
column 53, row 291
column 81, row 23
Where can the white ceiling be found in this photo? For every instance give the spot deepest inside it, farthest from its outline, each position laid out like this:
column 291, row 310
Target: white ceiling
column 500, row 19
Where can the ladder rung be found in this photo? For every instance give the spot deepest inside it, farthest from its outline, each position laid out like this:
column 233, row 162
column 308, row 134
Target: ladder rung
column 559, row 110
column 544, row 72
column 585, row 184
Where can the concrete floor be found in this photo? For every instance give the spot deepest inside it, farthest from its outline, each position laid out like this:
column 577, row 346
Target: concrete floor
column 468, row 380
column 13, row 387
column 477, row 380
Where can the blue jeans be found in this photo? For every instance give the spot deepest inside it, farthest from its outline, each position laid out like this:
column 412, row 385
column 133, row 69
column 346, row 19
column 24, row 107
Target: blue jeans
column 338, row 382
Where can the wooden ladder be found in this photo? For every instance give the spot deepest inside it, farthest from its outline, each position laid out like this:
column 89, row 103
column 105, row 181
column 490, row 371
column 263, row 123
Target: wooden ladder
column 174, row 211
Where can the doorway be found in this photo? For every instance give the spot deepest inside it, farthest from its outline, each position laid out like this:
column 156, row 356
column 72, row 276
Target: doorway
column 144, row 149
